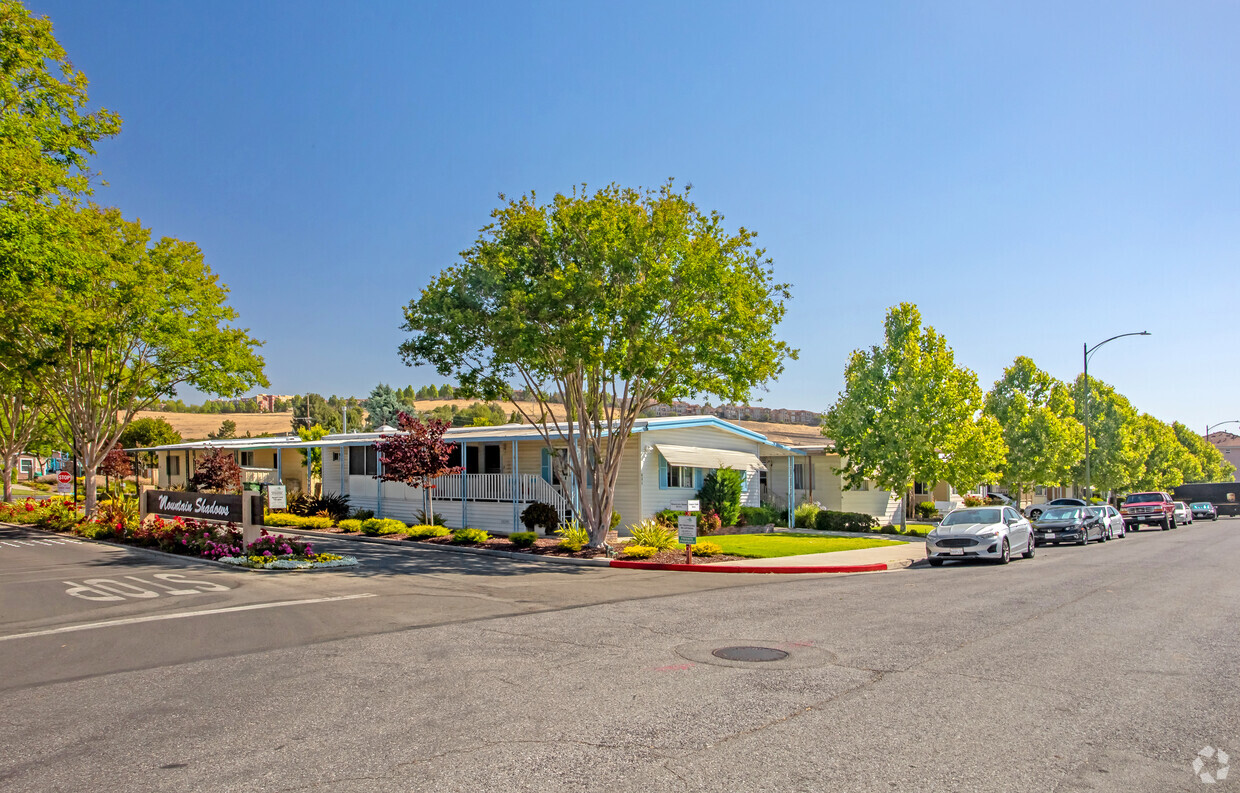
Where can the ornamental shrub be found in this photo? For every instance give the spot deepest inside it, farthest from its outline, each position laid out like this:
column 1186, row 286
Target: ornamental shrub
column 828, row 520
column 615, row 520
column 926, row 510
column 362, row 514
column 709, row 522
column 349, row 525
column 425, row 531
column 540, row 514
column 974, row 501
column 573, row 536
column 667, row 517
column 296, row 521
column 469, row 536
column 805, row 515
column 653, row 534
column 377, row 526
column 632, row 551
column 523, row 539
column 758, row 516
column 721, row 494
column 707, row 549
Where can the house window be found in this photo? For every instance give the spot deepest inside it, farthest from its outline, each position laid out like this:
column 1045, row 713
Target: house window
column 247, row 459
column 490, row 460
column 762, row 481
column 864, row 486
column 744, row 482
column 798, row 476
column 679, row 476
column 919, row 489
column 1039, row 490
column 363, row 461
column 174, row 465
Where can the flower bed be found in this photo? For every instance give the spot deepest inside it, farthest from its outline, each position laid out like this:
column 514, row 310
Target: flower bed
column 290, row 561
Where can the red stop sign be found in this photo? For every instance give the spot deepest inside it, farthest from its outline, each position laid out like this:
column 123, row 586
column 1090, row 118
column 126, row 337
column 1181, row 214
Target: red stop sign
column 64, row 477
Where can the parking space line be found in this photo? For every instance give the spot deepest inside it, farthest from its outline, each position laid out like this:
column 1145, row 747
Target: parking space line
column 181, row 615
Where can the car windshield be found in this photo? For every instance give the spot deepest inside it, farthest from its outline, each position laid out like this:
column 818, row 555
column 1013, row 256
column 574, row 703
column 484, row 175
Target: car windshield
column 1202, row 505
column 962, row 517
column 1144, row 498
column 1067, row 502
column 1062, row 513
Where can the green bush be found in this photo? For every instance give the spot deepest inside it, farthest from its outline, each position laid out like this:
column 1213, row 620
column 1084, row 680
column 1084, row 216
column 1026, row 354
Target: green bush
column 420, row 518
column 758, row 516
column 653, row 534
column 95, row 531
column 844, row 521
column 707, row 549
column 926, row 510
column 615, row 520
column 709, row 522
column 424, row 531
column 469, row 536
column 667, row 517
column 362, row 514
column 805, row 515
column 721, row 494
column 632, row 551
column 573, row 536
column 540, row 514
column 296, row 521
column 523, row 539
column 349, row 525
column 377, row 526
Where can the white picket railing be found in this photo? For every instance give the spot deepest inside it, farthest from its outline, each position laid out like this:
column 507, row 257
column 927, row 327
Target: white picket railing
column 527, row 488
column 262, row 476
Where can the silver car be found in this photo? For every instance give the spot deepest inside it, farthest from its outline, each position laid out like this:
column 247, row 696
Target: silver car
column 1034, row 511
column 1183, row 514
column 1112, row 521
column 980, row 533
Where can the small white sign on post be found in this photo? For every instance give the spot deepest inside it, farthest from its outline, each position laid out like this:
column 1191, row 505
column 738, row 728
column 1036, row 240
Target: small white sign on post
column 686, row 505
column 686, row 530
column 276, row 497
column 64, row 483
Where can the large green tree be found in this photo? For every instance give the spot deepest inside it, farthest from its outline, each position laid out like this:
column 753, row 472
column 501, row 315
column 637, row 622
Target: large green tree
column 22, row 422
column 123, row 323
column 1118, row 448
column 147, row 432
column 909, row 414
column 1037, row 415
column 1168, row 463
column 384, row 404
column 1214, row 467
column 619, row 300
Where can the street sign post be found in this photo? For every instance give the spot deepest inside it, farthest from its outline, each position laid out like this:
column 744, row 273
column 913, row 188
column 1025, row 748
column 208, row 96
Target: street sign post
column 686, row 535
column 276, row 497
column 64, row 483
column 686, row 505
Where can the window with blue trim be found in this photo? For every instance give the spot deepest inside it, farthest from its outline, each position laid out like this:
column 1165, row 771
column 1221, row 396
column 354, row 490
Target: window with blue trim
column 680, row 476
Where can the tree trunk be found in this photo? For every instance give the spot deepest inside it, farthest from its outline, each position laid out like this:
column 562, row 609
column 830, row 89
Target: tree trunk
column 92, row 486
column 904, row 512
column 8, row 481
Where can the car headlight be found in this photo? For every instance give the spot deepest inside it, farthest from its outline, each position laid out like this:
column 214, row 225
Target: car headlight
column 990, row 535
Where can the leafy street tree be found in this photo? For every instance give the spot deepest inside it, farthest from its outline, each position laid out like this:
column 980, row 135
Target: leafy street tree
column 145, row 432
column 480, row 414
column 1118, row 447
column 113, row 324
column 1168, row 463
column 1036, row 413
column 909, row 414
column 313, row 457
column 22, row 421
column 416, row 455
column 384, row 404
column 228, row 429
column 619, row 300
column 115, row 467
column 217, row 470
column 46, row 131
column 1214, row 468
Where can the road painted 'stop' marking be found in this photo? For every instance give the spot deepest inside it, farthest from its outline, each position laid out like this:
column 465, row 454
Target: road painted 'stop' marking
column 180, row 615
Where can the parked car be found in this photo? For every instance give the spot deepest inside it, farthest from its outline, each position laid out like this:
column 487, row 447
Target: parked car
column 1204, row 510
column 1154, row 507
column 1034, row 510
column 1070, row 524
column 1111, row 519
column 980, row 533
column 1183, row 515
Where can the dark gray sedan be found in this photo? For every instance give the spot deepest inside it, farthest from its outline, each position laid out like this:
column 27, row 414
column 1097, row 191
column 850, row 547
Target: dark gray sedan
column 1069, row 524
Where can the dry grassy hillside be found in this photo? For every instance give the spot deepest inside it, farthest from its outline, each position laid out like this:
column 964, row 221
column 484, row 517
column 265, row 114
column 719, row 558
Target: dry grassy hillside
column 196, row 426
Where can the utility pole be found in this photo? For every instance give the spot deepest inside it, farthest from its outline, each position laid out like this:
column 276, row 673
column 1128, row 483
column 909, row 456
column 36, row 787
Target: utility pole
column 1088, row 351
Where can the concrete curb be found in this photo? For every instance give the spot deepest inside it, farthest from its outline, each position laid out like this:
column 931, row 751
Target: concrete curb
column 747, row 568
column 409, row 545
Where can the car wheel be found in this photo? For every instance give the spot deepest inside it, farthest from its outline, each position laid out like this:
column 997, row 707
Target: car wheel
column 1034, row 514
column 1106, row 535
column 1005, row 552
column 1084, row 538
column 1028, row 554
column 1174, row 525
column 935, row 562
column 1166, row 525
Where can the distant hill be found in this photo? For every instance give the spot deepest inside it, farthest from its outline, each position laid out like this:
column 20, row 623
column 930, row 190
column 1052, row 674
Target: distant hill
column 196, row 426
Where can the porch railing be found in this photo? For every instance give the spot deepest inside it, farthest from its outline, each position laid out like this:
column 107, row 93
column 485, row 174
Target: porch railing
column 501, row 488
column 261, row 476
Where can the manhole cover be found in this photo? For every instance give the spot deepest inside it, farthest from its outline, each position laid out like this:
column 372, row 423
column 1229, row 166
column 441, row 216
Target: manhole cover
column 749, row 654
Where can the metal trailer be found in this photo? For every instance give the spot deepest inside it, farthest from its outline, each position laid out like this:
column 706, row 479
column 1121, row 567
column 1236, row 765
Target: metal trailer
column 1225, row 496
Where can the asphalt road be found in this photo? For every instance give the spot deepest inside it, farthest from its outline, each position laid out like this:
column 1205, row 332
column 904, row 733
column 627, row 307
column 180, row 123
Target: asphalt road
column 1104, row 668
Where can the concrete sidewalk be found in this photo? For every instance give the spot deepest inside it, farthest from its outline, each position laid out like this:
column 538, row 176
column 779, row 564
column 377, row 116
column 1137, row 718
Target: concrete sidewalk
column 894, row 556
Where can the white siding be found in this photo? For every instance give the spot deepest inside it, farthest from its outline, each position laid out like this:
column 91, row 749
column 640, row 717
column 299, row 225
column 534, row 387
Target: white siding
column 654, row 498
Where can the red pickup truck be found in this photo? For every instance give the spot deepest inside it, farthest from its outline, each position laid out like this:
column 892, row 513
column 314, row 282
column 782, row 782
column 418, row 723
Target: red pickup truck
column 1141, row 508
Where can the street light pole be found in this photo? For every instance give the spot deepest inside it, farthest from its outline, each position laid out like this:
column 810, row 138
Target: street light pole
column 1088, row 351
column 1221, row 423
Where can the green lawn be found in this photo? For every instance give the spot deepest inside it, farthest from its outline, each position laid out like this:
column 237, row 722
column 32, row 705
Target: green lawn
column 766, row 546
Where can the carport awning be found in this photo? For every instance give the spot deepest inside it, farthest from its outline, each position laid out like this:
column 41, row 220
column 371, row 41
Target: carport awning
column 697, row 457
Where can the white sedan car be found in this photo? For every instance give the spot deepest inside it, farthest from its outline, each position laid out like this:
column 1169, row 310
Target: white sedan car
column 980, row 533
column 1112, row 521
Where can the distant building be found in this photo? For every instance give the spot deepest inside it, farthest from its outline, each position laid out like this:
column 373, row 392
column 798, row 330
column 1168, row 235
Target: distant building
column 739, row 413
column 1229, row 444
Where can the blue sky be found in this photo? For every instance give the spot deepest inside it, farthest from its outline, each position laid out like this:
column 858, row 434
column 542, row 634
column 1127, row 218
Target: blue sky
column 1032, row 175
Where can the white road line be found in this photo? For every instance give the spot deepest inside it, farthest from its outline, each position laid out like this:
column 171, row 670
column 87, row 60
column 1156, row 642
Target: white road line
column 6, row 542
column 180, row 615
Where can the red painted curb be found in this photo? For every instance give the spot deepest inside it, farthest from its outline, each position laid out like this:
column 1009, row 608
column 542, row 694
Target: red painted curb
column 746, row 568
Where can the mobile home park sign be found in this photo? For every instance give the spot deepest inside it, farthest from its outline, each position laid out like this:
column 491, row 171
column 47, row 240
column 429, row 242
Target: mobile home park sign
column 221, row 507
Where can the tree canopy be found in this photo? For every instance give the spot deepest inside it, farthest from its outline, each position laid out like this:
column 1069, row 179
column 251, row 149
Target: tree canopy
column 909, row 414
column 618, row 299
column 384, row 405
